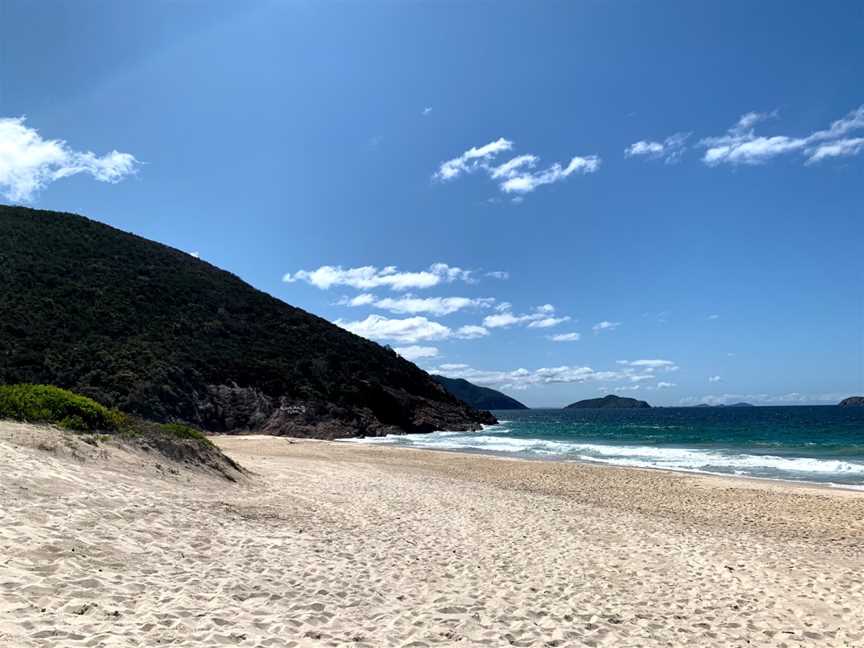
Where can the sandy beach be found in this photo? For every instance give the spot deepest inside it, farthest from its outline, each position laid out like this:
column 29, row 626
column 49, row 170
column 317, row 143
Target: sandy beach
column 335, row 544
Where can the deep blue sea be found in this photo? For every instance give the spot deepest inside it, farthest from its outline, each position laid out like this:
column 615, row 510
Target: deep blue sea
column 819, row 444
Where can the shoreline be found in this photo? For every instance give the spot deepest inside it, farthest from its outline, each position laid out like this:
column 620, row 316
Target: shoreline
column 829, row 486
column 328, row 545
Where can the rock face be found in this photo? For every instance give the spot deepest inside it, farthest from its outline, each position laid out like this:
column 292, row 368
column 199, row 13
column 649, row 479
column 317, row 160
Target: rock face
column 155, row 332
column 609, row 402
column 852, row 401
column 476, row 396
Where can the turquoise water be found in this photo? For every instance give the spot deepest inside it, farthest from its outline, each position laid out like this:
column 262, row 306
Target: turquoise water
column 820, row 444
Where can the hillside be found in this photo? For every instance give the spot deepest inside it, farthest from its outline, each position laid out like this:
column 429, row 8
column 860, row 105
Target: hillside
column 476, row 396
column 156, row 333
column 852, row 401
column 608, row 402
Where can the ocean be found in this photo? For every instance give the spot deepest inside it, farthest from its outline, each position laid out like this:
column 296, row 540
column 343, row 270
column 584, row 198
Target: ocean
column 815, row 444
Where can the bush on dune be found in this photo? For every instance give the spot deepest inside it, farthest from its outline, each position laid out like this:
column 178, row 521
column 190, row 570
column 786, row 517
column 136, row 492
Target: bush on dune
column 66, row 409
column 47, row 404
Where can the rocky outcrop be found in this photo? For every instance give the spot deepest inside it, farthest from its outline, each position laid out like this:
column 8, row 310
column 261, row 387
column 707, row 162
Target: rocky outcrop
column 609, row 402
column 852, row 401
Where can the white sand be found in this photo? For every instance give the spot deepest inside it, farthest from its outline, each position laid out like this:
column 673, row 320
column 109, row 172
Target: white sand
column 343, row 545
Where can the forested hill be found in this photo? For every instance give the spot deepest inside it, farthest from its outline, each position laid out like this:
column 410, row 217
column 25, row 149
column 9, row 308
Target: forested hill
column 476, row 396
column 155, row 332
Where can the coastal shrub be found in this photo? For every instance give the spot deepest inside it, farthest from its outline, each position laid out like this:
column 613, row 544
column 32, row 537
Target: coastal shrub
column 71, row 411
column 180, row 431
column 47, row 404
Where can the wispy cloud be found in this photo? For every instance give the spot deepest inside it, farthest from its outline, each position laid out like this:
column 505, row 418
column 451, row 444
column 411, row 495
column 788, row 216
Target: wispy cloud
column 741, row 145
column 426, row 111
column 409, row 304
column 524, row 378
column 471, row 331
column 370, row 277
column 541, row 317
column 670, row 149
column 566, row 337
column 410, row 330
column 713, row 317
column 792, row 398
column 605, row 325
column 650, row 365
column 405, row 331
column 516, row 175
column 497, row 274
column 714, row 379
column 415, row 352
column 29, row 163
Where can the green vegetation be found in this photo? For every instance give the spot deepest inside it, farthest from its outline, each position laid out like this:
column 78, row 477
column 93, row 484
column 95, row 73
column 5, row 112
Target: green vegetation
column 151, row 331
column 180, row 431
column 61, row 407
column 47, row 404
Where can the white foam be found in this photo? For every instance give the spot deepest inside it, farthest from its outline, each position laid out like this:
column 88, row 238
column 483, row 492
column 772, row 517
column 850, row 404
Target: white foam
column 686, row 459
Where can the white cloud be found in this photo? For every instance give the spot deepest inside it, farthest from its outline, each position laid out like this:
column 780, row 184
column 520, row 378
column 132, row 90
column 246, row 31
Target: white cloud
column 415, row 352
column 514, row 166
column 369, row 277
column 29, row 163
column 650, row 364
column 523, row 378
column 452, row 367
column 540, row 317
column 838, row 148
column 517, row 174
column 605, row 326
column 526, row 182
column 472, row 159
column 713, row 317
column 548, row 322
column 409, row 304
column 664, row 385
column 471, row 331
column 565, row 337
column 363, row 299
column 670, row 149
column 764, row 399
column 714, row 379
column 498, row 274
column 426, row 111
column 741, row 145
column 405, row 331
column 410, row 330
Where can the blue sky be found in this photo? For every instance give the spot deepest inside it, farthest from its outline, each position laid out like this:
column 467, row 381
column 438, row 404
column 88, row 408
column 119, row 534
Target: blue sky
column 706, row 204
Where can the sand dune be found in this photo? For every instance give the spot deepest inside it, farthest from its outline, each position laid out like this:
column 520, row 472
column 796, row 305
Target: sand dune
column 341, row 545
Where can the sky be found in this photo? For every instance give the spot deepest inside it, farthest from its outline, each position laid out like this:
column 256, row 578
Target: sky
column 560, row 200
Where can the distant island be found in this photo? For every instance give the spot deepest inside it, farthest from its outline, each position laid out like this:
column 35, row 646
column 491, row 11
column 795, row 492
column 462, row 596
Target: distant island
column 609, row 402
column 725, row 405
column 478, row 397
column 852, row 401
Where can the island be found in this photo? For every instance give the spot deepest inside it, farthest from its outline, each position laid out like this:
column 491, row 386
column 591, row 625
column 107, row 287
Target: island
column 477, row 396
column 725, row 405
column 852, row 401
column 609, row 402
